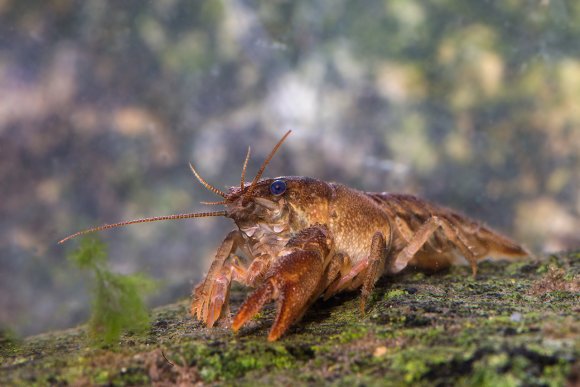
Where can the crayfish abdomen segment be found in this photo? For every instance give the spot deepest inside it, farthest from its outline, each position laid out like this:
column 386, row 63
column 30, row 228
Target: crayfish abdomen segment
column 431, row 237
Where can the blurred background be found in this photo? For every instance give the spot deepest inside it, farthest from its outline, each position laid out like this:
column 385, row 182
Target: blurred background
column 472, row 104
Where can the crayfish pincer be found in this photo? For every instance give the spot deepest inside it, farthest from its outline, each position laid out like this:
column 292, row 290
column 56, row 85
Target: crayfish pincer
column 298, row 239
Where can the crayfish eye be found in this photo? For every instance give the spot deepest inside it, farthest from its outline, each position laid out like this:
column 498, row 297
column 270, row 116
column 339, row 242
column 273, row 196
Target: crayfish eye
column 278, row 187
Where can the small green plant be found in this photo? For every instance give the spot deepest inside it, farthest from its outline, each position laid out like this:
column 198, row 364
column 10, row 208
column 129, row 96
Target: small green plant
column 117, row 304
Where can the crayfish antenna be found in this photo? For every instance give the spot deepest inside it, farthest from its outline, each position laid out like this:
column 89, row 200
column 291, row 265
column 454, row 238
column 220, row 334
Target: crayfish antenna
column 263, row 167
column 206, row 184
column 144, row 220
column 242, row 182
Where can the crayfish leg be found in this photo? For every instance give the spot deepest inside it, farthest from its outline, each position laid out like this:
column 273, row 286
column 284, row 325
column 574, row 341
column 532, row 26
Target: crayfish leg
column 365, row 272
column 210, row 296
column 375, row 267
column 473, row 241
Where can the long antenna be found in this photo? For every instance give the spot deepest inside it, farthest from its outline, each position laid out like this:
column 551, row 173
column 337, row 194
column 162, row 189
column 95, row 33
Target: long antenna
column 145, row 220
column 206, row 184
column 263, row 167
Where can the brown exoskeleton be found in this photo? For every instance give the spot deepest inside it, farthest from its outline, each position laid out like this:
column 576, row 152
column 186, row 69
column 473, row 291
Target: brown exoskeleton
column 303, row 238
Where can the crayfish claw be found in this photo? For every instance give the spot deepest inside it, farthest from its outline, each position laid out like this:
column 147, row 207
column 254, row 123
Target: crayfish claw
column 253, row 304
column 294, row 282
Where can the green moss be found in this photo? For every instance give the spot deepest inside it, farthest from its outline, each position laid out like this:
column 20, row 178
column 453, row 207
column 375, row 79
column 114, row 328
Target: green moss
column 410, row 365
column 215, row 363
column 9, row 343
column 349, row 334
column 395, row 293
column 555, row 375
column 488, row 377
column 500, row 370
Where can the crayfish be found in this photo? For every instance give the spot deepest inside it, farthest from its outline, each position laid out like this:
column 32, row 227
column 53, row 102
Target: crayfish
column 298, row 239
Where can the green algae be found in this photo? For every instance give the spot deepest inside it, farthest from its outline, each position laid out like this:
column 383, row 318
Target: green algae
column 395, row 293
column 118, row 304
column 516, row 324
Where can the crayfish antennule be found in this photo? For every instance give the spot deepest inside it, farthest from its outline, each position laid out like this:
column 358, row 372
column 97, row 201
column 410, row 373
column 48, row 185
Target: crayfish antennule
column 263, row 167
column 206, row 184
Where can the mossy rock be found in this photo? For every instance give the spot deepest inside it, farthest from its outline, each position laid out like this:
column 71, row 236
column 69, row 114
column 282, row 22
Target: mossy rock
column 516, row 324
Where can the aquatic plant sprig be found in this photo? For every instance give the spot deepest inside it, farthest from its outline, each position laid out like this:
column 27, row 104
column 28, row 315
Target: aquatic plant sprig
column 117, row 299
